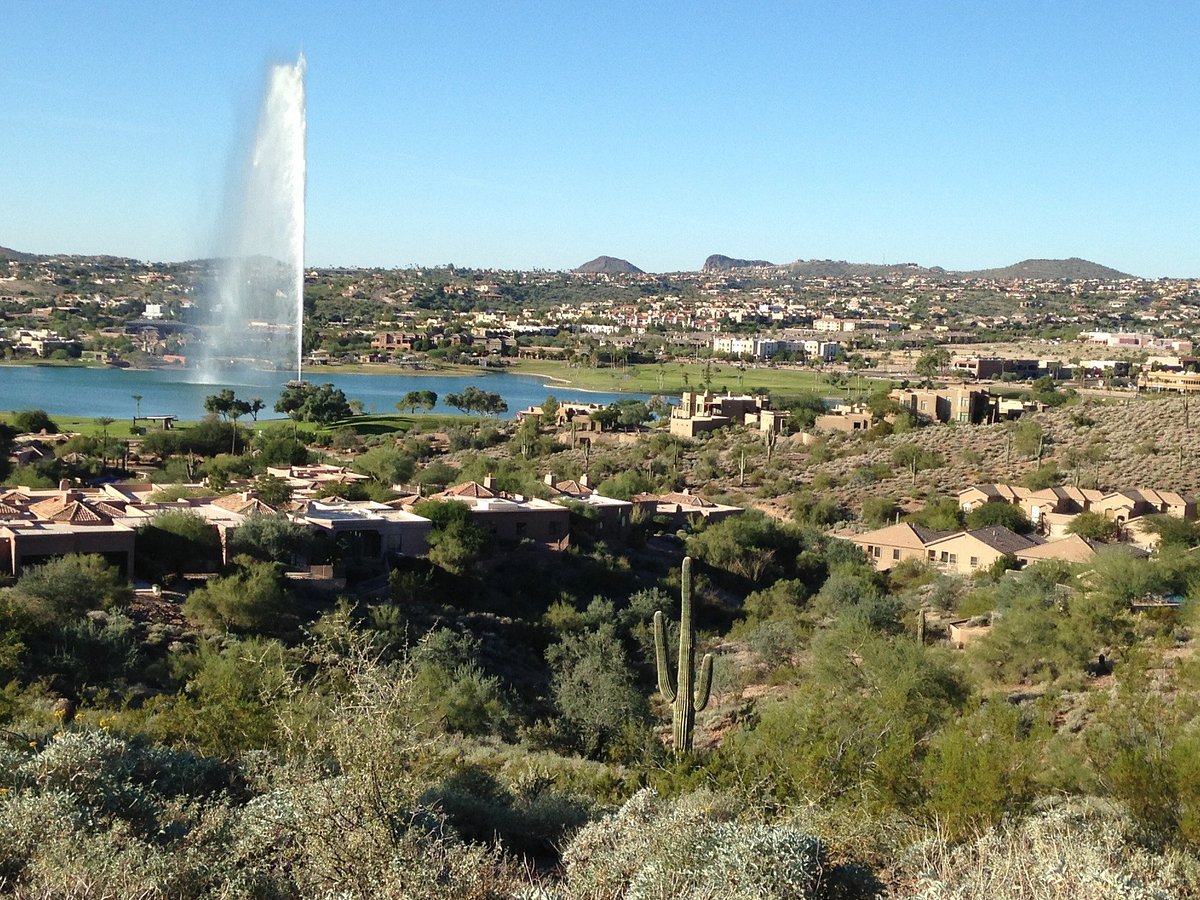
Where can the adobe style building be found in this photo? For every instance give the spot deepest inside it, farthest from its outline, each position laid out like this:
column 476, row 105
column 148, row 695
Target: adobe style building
column 702, row 412
column 513, row 517
column 373, row 530
column 967, row 406
column 684, row 509
column 612, row 516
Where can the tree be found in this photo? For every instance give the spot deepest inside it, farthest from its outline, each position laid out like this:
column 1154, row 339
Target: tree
column 278, row 448
column 455, row 541
column 137, row 407
column 1095, row 526
column 174, row 542
column 751, row 546
column 594, row 687
column 387, row 465
column 67, row 587
column 473, row 400
column 1006, row 515
column 32, row 421
column 307, row 402
column 1029, row 439
column 269, row 538
column 1173, row 531
column 879, row 511
column 237, row 409
column 256, row 406
column 273, row 490
column 631, row 413
column 932, row 362
column 104, row 422
column 942, row 514
column 220, row 404
column 414, row 400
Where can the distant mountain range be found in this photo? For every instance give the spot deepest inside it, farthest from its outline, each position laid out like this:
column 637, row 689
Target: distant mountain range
column 1050, row 269
column 609, row 265
column 16, row 255
column 720, row 263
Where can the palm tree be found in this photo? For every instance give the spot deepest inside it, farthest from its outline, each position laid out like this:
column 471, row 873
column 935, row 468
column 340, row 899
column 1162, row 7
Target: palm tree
column 137, row 414
column 104, row 422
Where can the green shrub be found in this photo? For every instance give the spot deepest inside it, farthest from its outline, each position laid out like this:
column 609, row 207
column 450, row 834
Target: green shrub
column 249, row 599
column 66, row 587
column 175, row 542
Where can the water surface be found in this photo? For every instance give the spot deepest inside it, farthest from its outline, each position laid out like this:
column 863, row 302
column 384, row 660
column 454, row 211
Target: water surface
column 78, row 391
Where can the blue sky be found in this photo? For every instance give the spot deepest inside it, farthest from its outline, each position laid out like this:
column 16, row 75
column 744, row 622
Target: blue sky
column 540, row 135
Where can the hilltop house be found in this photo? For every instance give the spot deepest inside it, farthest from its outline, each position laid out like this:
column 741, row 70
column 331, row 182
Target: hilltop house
column 701, row 412
column 513, row 517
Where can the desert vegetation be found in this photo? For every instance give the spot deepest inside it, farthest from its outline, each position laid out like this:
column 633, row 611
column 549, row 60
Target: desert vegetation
column 490, row 722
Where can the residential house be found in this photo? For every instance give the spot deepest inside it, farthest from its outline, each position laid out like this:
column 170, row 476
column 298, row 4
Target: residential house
column 956, row 404
column 967, row 552
column 701, row 412
column 612, row 515
column 889, row 546
column 684, row 509
column 513, row 517
column 366, row 529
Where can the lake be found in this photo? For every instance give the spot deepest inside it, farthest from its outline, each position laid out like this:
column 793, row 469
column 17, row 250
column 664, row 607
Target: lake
column 77, row 391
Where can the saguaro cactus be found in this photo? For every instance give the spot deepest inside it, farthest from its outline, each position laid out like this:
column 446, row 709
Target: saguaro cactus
column 686, row 697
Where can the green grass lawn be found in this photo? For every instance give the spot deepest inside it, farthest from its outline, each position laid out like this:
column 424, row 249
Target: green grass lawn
column 80, row 424
column 674, row 378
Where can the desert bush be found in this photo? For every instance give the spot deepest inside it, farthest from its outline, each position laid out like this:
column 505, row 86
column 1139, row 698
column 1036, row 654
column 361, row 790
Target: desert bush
column 982, row 767
column 857, row 726
column 453, row 690
column 1076, row 850
column 693, row 848
column 879, row 511
column 270, row 538
column 174, row 542
column 66, row 587
column 249, row 599
column 531, row 817
column 594, row 687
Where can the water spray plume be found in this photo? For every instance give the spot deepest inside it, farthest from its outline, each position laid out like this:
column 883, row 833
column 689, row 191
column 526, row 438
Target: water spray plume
column 260, row 288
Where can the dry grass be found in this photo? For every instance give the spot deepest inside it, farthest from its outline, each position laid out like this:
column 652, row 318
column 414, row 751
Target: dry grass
column 975, row 454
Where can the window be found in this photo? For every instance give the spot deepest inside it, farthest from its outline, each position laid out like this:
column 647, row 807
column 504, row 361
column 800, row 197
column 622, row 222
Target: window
column 896, row 554
column 875, row 552
column 974, row 562
column 954, row 558
column 945, row 557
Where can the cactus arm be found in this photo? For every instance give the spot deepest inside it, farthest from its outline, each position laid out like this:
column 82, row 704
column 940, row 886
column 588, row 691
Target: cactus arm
column 705, row 685
column 660, row 650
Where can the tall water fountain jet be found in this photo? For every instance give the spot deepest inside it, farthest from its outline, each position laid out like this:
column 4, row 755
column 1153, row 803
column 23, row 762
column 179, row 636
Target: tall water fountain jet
column 259, row 310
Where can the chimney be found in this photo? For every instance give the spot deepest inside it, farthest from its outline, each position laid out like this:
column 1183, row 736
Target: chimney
column 488, row 481
column 584, row 480
column 64, row 485
column 549, row 479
